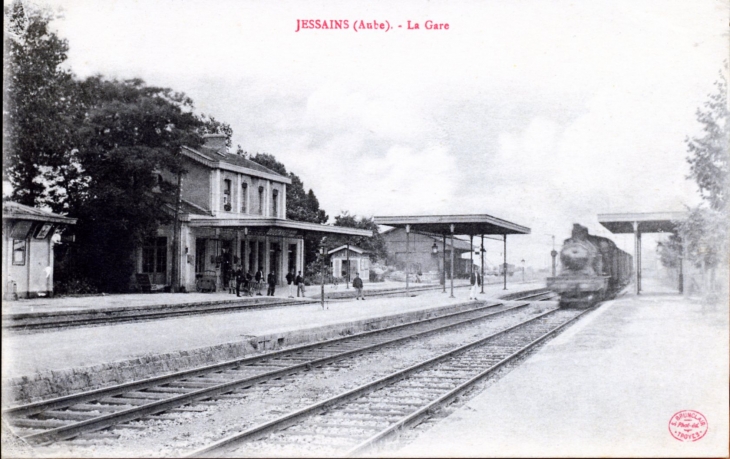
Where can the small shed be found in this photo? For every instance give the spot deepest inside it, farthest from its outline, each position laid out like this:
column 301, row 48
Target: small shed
column 28, row 250
column 358, row 261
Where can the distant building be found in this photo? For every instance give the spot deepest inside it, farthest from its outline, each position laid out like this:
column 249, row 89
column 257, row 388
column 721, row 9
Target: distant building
column 422, row 256
column 233, row 212
column 28, row 250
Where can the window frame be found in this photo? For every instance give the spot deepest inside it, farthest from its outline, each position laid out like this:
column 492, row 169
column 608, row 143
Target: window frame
column 24, row 251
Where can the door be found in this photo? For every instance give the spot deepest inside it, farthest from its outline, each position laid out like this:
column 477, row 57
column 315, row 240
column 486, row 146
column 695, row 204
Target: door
column 154, row 259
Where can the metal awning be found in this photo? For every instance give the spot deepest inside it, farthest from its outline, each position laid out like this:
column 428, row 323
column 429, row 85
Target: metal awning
column 638, row 224
column 471, row 225
column 650, row 222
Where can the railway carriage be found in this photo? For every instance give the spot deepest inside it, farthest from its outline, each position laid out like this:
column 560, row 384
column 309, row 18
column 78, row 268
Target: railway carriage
column 593, row 269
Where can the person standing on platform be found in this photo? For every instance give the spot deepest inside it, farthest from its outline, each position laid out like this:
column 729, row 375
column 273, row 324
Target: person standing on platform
column 473, row 282
column 259, row 277
column 271, row 280
column 248, row 284
column 299, row 281
column 357, row 283
column 290, row 282
column 239, row 279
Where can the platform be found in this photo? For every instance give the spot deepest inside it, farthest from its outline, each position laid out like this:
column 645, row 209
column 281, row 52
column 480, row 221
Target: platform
column 607, row 387
column 74, row 359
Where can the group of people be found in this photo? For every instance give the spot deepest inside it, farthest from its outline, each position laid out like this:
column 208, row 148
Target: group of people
column 252, row 284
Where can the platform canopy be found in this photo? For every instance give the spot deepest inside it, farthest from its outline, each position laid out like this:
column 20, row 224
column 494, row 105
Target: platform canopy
column 650, row 222
column 471, row 225
column 277, row 224
column 638, row 224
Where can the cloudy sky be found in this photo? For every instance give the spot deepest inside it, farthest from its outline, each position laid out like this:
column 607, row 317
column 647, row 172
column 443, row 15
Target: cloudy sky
column 541, row 112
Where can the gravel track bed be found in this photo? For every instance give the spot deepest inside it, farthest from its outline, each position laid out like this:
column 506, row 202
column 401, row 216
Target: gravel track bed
column 182, row 430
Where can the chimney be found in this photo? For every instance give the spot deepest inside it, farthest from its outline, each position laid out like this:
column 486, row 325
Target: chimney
column 215, row 142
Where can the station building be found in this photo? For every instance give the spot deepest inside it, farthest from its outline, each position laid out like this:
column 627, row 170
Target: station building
column 28, row 250
column 232, row 212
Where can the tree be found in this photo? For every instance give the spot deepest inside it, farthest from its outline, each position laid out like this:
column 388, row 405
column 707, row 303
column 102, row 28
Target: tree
column 708, row 159
column 375, row 245
column 705, row 232
column 129, row 131
column 300, row 205
column 38, row 104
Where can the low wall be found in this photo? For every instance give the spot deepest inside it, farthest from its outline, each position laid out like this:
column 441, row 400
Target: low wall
column 57, row 383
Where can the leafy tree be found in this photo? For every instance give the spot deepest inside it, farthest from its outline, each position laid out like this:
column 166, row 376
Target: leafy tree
column 129, row 131
column 709, row 160
column 374, row 245
column 300, row 205
column 705, row 232
column 38, row 103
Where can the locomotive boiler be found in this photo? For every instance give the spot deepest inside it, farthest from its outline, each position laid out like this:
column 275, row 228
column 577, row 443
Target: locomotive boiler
column 593, row 269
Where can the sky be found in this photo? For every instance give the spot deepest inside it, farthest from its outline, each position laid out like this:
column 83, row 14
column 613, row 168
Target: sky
column 541, row 112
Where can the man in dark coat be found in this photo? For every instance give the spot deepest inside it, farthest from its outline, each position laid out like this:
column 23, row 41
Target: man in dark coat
column 299, row 282
column 239, row 279
column 357, row 283
column 271, row 280
column 259, row 277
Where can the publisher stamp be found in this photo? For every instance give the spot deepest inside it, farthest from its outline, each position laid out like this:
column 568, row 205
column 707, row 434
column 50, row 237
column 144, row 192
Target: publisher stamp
column 688, row 425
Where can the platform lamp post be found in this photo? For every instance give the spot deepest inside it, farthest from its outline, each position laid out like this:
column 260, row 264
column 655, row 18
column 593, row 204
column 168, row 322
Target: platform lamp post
column 323, row 252
column 553, row 253
column 444, row 271
column 435, row 254
column 347, row 275
column 482, row 251
column 408, row 257
column 452, row 228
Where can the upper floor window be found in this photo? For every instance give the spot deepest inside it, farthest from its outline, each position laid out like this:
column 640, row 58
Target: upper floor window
column 227, row 194
column 244, row 197
column 275, row 203
column 261, row 200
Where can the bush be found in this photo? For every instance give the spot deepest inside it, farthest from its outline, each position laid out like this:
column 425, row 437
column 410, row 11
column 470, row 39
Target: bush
column 74, row 287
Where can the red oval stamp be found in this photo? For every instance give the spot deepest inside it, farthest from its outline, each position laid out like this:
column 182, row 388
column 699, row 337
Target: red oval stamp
column 688, row 425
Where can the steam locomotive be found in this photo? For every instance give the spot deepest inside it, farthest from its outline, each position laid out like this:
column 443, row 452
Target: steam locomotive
column 593, row 269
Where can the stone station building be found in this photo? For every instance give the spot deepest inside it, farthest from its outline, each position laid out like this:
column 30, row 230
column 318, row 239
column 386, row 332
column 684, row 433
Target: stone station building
column 232, row 212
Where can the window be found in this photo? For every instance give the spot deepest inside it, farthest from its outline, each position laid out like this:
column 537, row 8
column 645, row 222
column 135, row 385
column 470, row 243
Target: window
column 244, row 197
column 154, row 255
column 227, row 194
column 261, row 200
column 19, row 252
column 275, row 203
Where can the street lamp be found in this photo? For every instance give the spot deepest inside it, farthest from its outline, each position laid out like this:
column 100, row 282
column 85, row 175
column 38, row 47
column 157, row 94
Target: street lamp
column 434, row 249
column 553, row 253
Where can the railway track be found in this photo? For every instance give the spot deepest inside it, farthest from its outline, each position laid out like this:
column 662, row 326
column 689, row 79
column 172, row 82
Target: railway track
column 56, row 320
column 355, row 421
column 70, row 416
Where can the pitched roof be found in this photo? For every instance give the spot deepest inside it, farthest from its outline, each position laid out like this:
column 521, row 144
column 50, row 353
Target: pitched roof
column 221, row 158
column 18, row 211
column 344, row 247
